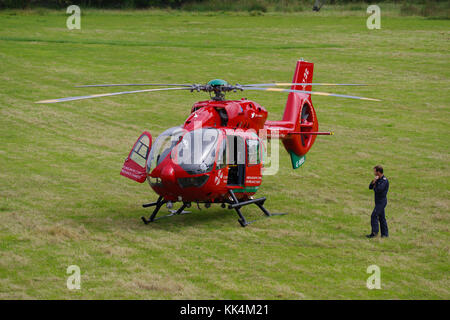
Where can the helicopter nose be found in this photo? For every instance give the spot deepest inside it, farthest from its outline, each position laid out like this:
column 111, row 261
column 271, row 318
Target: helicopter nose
column 168, row 175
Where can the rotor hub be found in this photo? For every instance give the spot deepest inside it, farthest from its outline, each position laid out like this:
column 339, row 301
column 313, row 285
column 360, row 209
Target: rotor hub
column 217, row 83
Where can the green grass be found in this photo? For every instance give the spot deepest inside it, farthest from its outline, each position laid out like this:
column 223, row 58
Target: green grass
column 63, row 202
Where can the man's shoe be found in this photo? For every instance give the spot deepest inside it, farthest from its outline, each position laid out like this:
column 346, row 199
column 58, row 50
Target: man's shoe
column 384, row 236
column 372, row 235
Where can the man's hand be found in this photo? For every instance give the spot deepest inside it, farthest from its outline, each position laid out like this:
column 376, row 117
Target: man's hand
column 375, row 180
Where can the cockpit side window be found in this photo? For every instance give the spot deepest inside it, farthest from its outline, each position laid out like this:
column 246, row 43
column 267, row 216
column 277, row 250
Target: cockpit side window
column 140, row 151
column 163, row 145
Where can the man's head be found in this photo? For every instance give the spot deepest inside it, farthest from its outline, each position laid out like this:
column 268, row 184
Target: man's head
column 378, row 171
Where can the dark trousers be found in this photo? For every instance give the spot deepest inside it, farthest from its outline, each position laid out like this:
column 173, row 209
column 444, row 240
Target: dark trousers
column 378, row 215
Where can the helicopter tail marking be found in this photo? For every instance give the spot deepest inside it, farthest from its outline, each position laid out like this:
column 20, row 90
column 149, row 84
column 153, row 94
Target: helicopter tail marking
column 303, row 74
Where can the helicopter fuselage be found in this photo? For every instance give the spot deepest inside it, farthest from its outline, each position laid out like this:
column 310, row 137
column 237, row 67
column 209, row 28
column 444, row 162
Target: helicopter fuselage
column 217, row 155
column 236, row 159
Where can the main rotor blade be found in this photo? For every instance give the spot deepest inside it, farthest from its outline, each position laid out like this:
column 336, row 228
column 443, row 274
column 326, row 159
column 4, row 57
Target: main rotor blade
column 313, row 133
column 284, row 84
column 313, row 93
column 133, row 84
column 106, row 95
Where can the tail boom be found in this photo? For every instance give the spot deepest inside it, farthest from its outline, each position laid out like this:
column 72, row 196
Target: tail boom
column 299, row 127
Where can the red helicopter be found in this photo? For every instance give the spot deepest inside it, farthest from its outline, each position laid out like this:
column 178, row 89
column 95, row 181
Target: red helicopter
column 217, row 155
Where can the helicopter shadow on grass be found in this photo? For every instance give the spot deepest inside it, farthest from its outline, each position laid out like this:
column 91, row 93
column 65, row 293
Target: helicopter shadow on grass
column 195, row 217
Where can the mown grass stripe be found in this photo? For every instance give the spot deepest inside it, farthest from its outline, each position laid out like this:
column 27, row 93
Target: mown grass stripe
column 173, row 44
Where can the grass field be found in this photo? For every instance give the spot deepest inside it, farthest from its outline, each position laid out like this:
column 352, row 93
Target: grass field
column 63, row 202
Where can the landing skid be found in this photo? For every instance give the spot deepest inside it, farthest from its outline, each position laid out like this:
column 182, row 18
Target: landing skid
column 233, row 204
column 236, row 205
column 158, row 204
column 175, row 212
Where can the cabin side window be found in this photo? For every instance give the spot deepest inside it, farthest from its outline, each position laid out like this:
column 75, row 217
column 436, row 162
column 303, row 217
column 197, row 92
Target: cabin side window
column 222, row 158
column 253, row 156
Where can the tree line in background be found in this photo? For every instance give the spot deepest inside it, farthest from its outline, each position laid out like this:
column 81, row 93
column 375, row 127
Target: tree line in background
column 408, row 6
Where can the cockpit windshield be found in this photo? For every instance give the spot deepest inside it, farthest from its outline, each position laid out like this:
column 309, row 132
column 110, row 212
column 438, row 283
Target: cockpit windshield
column 197, row 150
column 163, row 145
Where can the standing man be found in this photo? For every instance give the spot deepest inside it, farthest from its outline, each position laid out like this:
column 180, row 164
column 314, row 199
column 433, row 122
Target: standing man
column 380, row 186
